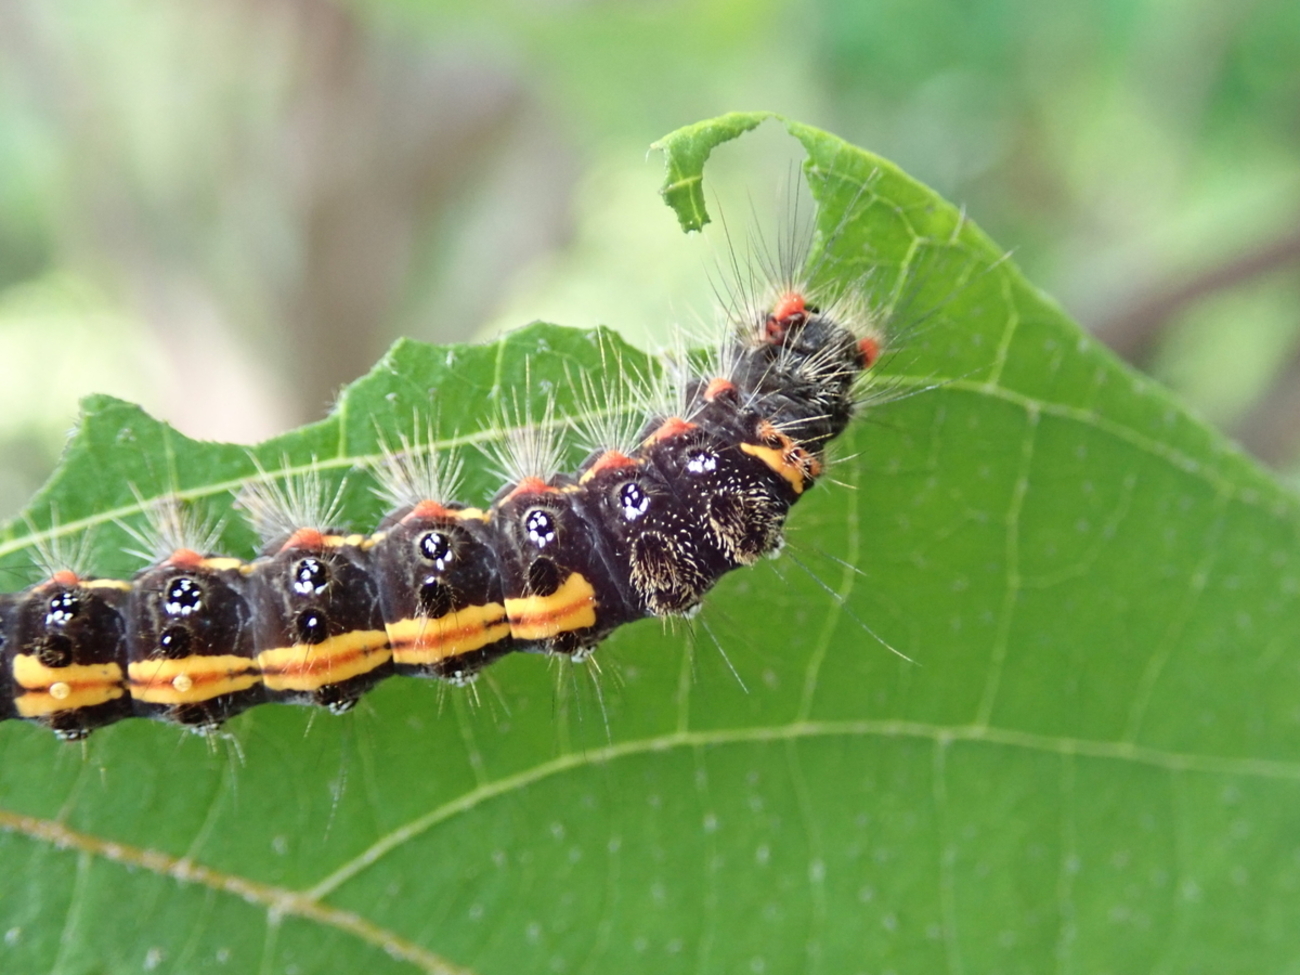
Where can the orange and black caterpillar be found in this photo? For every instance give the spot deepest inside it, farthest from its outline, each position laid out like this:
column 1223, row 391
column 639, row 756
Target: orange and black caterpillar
column 553, row 565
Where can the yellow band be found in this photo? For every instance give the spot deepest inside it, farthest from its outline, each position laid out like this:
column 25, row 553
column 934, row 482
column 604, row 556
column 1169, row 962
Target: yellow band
column 310, row 666
column 775, row 459
column 425, row 641
column 571, row 607
column 48, row 690
column 190, row 680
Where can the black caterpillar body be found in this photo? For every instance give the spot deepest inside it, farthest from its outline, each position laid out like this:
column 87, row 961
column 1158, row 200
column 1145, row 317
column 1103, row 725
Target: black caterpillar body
column 441, row 589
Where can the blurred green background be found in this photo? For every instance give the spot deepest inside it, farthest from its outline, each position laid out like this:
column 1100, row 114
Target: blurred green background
column 226, row 210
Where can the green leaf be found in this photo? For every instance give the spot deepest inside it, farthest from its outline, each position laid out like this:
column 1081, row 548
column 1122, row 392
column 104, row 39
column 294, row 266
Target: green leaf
column 1091, row 766
column 686, row 150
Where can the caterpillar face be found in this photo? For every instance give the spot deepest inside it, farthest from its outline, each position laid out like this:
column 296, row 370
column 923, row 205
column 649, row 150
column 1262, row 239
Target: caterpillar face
column 440, row 590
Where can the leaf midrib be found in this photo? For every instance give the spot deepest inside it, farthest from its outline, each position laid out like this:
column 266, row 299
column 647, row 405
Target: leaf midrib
column 1250, row 496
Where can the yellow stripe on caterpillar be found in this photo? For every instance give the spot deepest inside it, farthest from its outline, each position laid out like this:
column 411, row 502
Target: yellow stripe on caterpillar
column 571, row 607
column 48, row 690
column 190, row 680
column 311, row 666
column 425, row 641
column 776, row 459
column 120, row 585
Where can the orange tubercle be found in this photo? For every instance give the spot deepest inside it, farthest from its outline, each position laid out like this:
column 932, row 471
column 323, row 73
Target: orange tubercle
column 718, row 387
column 310, row 538
column 869, row 350
column 185, row 558
column 669, row 428
column 771, row 436
column 529, row 485
column 428, row 509
column 788, row 306
column 65, row 577
column 610, row 460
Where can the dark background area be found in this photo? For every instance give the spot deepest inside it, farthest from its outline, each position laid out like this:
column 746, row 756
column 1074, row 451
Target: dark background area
column 225, row 211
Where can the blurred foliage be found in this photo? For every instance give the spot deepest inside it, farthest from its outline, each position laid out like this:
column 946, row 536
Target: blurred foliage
column 224, row 211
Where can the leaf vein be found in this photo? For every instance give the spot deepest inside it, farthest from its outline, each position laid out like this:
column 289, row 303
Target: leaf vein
column 278, row 901
column 886, row 728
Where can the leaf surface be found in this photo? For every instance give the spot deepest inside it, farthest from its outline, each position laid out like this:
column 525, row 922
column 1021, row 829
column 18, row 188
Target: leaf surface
column 1091, row 764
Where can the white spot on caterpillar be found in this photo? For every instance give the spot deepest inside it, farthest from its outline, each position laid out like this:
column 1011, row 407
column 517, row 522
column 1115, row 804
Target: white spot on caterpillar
column 702, row 462
column 62, row 609
column 540, row 527
column 635, row 502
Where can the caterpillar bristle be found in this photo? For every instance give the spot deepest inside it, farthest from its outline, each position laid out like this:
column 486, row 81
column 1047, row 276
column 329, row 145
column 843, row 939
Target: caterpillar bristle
column 279, row 503
column 55, row 553
column 609, row 416
column 671, row 392
column 526, row 448
column 171, row 524
column 416, row 470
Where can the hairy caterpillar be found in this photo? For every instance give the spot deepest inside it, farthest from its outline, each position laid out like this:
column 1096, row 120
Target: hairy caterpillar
column 553, row 565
